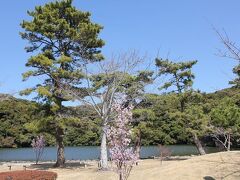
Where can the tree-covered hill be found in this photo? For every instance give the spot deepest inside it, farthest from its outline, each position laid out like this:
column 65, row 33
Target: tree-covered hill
column 157, row 118
column 14, row 114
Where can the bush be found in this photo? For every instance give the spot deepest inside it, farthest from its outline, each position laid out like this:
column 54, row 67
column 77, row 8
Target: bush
column 28, row 175
column 164, row 152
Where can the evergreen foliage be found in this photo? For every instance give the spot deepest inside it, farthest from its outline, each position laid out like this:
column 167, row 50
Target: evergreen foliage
column 62, row 39
column 157, row 117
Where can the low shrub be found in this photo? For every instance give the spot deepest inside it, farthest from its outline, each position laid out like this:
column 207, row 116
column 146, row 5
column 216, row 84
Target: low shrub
column 28, row 175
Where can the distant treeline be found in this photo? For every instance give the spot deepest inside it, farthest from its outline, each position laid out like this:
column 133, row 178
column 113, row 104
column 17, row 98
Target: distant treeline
column 157, row 118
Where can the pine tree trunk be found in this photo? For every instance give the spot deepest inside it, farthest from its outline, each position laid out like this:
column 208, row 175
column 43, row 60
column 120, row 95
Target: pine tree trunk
column 103, row 151
column 60, row 148
column 182, row 105
column 198, row 144
column 137, row 151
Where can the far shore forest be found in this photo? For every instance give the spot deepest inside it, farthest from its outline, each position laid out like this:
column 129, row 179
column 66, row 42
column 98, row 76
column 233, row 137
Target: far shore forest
column 65, row 59
column 157, row 117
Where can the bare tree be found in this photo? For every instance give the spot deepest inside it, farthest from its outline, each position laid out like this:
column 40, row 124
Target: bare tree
column 232, row 52
column 222, row 138
column 164, row 152
column 114, row 79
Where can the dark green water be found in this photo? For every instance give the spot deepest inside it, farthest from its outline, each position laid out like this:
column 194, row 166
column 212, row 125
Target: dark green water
column 89, row 152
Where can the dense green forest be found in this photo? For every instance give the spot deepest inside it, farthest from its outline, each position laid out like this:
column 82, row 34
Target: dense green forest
column 157, row 117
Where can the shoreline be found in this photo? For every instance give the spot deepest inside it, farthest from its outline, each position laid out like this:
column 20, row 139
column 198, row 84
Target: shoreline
column 171, row 158
column 222, row 165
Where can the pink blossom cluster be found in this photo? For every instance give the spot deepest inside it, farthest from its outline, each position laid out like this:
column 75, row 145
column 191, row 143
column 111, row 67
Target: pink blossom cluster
column 119, row 137
column 39, row 142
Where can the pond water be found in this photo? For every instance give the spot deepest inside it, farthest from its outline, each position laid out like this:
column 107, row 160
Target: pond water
column 90, row 152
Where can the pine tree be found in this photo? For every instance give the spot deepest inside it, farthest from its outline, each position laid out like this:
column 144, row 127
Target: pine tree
column 181, row 80
column 62, row 39
column 181, row 76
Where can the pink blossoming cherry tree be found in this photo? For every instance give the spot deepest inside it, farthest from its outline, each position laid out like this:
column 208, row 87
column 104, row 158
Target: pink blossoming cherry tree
column 38, row 145
column 119, row 138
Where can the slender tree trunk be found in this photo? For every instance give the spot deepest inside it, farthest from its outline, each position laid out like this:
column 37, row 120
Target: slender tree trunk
column 229, row 142
column 182, row 105
column 137, row 151
column 198, row 144
column 103, row 151
column 137, row 144
column 121, row 176
column 60, row 147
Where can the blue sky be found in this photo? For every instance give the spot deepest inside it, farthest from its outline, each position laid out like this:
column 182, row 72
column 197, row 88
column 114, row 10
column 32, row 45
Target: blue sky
column 180, row 30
